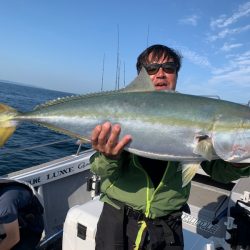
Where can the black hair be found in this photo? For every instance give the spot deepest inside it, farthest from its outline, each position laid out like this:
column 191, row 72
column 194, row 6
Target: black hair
column 158, row 51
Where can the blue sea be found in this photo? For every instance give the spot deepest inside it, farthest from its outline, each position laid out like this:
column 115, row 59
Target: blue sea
column 17, row 153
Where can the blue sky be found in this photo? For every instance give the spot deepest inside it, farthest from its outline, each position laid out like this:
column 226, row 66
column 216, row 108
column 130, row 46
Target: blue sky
column 61, row 45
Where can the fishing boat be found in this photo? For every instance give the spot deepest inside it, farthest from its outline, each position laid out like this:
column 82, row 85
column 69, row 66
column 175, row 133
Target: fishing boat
column 70, row 196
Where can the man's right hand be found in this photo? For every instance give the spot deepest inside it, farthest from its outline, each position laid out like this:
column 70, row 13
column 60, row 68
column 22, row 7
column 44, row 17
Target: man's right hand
column 105, row 139
column 12, row 235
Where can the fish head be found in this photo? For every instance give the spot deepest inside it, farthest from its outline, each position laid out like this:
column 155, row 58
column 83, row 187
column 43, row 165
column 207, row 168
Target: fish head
column 231, row 139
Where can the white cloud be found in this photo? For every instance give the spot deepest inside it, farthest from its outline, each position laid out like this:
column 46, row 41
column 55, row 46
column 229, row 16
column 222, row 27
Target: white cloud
column 244, row 57
column 227, row 32
column 216, row 23
column 230, row 82
column 191, row 20
column 230, row 74
column 223, row 70
column 223, row 21
column 227, row 47
column 237, row 77
column 236, row 72
column 194, row 57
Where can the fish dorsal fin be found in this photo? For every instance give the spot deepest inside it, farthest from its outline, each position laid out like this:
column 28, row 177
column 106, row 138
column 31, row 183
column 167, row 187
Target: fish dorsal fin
column 55, row 101
column 70, row 98
column 141, row 83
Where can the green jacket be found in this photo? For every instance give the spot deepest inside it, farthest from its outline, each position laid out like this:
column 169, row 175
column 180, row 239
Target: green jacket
column 125, row 180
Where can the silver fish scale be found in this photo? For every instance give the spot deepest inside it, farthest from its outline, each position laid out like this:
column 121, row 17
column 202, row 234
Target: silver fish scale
column 164, row 125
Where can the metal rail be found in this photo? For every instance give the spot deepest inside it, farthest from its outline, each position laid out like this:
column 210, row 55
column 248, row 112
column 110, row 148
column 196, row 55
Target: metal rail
column 12, row 151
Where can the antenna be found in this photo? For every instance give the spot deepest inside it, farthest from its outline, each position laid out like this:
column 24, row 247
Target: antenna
column 103, row 62
column 124, row 74
column 117, row 61
column 148, row 35
column 118, row 75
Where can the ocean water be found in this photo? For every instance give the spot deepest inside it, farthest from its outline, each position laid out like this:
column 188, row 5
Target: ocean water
column 17, row 153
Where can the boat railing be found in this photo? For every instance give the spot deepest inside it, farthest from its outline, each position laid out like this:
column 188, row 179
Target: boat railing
column 78, row 142
column 211, row 96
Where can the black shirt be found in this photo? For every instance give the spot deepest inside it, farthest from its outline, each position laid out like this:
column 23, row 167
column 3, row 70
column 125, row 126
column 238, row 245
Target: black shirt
column 154, row 168
column 17, row 202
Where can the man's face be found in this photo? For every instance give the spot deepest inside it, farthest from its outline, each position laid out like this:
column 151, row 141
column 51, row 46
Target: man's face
column 163, row 80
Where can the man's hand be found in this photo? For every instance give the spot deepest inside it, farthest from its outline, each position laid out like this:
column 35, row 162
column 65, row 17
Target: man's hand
column 105, row 139
column 12, row 235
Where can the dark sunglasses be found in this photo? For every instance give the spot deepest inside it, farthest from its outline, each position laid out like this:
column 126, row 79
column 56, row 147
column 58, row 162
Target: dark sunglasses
column 168, row 67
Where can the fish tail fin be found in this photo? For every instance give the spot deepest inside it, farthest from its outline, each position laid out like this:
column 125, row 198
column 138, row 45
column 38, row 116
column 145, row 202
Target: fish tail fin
column 7, row 125
column 188, row 172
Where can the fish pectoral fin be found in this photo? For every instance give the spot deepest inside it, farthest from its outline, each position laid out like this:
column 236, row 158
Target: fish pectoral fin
column 205, row 148
column 188, row 171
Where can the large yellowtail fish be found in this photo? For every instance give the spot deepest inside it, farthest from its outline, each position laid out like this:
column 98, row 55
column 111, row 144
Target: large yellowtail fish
column 164, row 125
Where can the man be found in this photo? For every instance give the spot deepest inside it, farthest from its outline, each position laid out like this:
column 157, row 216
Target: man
column 152, row 188
column 20, row 216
